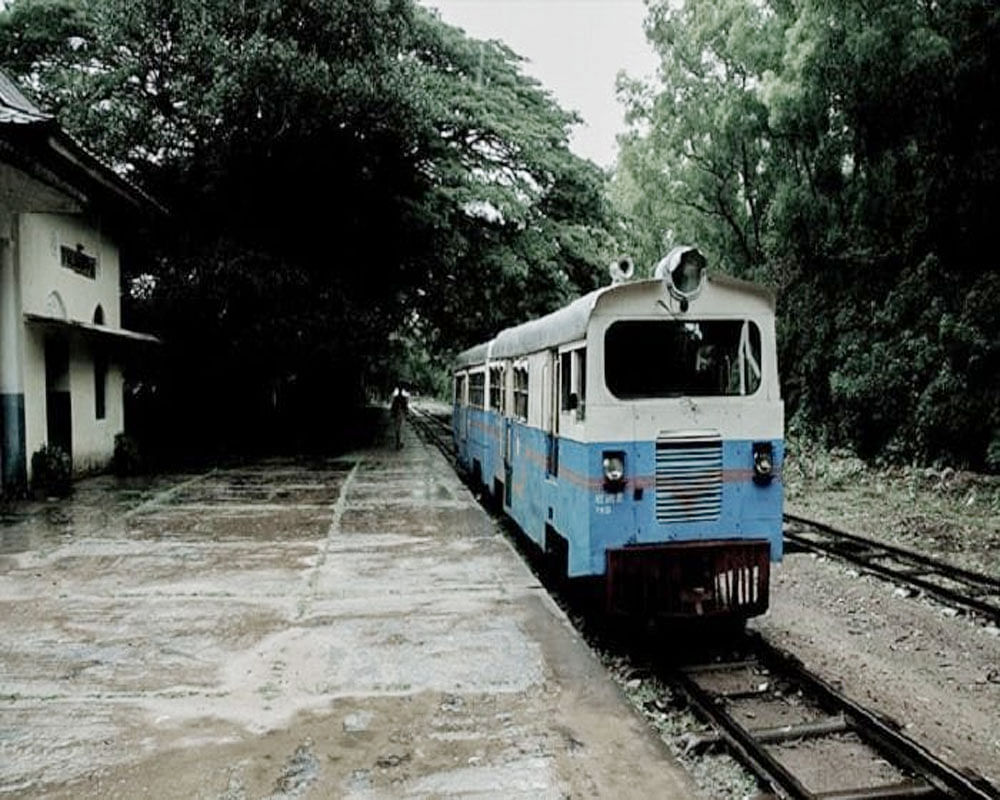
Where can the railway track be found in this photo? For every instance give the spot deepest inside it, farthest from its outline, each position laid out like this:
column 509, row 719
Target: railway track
column 804, row 739
column 795, row 732
column 435, row 428
column 953, row 585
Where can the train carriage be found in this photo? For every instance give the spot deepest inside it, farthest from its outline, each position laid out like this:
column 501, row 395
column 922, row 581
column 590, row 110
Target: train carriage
column 637, row 436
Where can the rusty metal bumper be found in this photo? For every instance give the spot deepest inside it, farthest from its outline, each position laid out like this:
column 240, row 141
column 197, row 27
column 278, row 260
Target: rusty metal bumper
column 710, row 578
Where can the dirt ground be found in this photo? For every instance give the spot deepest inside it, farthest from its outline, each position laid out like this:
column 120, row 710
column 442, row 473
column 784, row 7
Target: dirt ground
column 934, row 670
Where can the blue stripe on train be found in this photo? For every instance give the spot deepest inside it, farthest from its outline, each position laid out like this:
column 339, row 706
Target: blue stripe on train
column 574, row 503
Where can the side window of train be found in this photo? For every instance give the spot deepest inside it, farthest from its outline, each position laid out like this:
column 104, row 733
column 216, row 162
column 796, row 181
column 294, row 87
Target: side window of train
column 497, row 389
column 573, row 380
column 566, row 400
column 521, row 393
column 477, row 389
column 580, row 380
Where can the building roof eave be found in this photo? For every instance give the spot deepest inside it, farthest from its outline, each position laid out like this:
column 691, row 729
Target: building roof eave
column 91, row 329
column 36, row 140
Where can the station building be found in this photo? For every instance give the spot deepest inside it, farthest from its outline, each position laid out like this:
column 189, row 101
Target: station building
column 63, row 215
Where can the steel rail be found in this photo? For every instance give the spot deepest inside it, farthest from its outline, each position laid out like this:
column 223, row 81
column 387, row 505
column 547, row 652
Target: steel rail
column 975, row 581
column 895, row 743
column 748, row 750
column 937, row 778
column 435, row 429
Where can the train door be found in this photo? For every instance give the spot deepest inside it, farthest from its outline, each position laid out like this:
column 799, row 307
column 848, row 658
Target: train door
column 551, row 382
column 466, row 380
column 506, row 435
column 518, row 411
column 461, row 416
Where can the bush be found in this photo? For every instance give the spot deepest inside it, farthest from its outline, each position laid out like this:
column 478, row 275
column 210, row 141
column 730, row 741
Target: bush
column 993, row 453
column 51, row 471
column 126, row 459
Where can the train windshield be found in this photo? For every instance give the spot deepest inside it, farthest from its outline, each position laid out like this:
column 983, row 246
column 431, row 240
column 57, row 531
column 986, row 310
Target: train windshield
column 666, row 358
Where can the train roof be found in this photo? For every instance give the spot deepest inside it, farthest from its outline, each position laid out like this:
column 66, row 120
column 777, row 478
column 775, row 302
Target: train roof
column 569, row 323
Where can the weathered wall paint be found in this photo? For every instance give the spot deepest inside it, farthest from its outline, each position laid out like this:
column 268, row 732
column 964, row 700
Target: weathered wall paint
column 12, row 434
column 41, row 237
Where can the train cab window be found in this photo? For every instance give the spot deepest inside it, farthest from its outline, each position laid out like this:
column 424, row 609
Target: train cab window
column 666, row 358
column 521, row 393
column 497, row 402
column 477, row 389
column 459, row 390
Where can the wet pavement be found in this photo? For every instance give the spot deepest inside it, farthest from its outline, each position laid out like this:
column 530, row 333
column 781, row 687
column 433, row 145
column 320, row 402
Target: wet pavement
column 351, row 627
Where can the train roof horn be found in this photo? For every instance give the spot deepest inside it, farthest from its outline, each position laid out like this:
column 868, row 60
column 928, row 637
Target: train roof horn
column 682, row 270
column 621, row 270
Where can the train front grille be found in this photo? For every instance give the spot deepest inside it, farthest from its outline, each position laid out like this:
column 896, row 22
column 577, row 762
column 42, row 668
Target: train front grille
column 688, row 476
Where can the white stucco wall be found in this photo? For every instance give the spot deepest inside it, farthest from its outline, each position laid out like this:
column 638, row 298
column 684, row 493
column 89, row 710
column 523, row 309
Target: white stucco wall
column 93, row 439
column 40, row 239
column 41, row 274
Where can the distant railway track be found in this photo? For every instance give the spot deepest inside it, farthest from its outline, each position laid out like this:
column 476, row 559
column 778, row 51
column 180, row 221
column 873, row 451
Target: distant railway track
column 953, row 585
column 805, row 739
column 436, row 429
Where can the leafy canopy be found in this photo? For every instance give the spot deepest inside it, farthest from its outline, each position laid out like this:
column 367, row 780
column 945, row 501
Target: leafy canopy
column 345, row 175
column 846, row 152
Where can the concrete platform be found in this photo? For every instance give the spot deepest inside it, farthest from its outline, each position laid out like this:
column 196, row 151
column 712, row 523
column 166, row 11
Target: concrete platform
column 350, row 628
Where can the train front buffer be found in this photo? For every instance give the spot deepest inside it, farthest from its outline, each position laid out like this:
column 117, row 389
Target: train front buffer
column 691, row 530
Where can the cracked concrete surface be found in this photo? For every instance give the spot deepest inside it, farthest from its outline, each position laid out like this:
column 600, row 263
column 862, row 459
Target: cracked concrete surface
column 341, row 628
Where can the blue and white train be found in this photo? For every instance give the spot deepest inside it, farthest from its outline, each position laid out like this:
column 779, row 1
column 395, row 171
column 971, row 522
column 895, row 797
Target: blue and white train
column 636, row 435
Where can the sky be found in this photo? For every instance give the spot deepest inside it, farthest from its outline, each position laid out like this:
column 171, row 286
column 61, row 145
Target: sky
column 575, row 48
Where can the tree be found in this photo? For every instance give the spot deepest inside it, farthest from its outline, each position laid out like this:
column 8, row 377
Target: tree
column 845, row 152
column 344, row 175
column 518, row 223
column 693, row 166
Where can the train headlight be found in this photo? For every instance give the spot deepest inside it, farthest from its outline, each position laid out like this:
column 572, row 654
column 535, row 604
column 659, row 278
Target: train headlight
column 763, row 462
column 683, row 272
column 613, row 464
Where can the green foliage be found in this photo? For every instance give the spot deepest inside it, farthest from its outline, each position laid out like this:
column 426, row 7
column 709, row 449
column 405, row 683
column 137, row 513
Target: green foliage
column 126, row 459
column 342, row 174
column 846, row 153
column 51, row 471
column 518, row 224
column 993, row 452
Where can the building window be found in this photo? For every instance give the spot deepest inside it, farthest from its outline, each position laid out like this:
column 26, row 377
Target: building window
column 98, row 315
column 78, row 261
column 521, row 393
column 100, row 385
